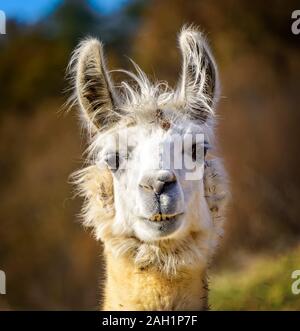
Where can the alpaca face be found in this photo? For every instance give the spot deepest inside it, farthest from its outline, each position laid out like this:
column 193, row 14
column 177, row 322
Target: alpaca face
column 157, row 177
column 152, row 139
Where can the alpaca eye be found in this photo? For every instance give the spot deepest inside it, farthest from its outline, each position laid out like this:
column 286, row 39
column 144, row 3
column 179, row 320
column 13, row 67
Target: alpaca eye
column 205, row 149
column 194, row 150
column 113, row 160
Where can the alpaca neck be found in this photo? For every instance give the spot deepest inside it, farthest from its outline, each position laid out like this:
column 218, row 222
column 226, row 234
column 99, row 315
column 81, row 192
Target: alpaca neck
column 129, row 287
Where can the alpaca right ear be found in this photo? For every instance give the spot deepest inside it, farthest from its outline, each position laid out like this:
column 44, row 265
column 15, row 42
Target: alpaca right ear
column 199, row 85
column 94, row 91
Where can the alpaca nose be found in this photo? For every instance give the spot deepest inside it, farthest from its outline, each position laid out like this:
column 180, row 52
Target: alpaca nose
column 158, row 181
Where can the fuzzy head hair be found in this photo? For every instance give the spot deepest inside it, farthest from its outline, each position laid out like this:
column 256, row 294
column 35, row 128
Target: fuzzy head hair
column 150, row 112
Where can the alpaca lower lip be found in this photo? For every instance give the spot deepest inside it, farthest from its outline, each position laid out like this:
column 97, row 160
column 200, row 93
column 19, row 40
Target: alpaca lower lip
column 162, row 228
column 165, row 227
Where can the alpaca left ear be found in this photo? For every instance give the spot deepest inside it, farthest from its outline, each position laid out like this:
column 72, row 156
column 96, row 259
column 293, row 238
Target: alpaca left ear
column 94, row 90
column 199, row 85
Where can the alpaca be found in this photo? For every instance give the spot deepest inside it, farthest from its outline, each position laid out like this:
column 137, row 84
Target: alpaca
column 158, row 227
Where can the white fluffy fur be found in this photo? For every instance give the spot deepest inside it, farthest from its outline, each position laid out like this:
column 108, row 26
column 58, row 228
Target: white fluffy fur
column 191, row 105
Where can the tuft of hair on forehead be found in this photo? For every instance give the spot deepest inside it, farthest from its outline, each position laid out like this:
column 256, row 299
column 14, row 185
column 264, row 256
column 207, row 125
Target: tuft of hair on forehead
column 141, row 97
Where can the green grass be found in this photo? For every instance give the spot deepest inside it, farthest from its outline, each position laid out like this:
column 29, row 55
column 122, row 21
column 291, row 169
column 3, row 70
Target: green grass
column 265, row 284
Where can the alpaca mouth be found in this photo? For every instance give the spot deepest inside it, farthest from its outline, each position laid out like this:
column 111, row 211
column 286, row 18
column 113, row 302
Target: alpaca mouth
column 160, row 226
column 163, row 217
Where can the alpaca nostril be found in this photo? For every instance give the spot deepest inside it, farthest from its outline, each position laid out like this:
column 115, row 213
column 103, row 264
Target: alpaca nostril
column 146, row 187
column 158, row 187
column 166, row 177
column 157, row 183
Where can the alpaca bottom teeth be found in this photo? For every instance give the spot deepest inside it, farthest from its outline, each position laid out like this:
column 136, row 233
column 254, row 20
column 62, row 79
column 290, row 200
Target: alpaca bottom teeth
column 162, row 217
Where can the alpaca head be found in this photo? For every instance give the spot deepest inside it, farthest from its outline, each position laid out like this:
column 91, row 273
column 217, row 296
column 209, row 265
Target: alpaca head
column 149, row 172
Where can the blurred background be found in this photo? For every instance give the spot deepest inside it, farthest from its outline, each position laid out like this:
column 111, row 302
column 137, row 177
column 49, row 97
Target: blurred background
column 50, row 261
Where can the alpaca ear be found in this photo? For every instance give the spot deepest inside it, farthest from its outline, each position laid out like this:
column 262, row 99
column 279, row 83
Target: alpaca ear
column 93, row 87
column 199, row 85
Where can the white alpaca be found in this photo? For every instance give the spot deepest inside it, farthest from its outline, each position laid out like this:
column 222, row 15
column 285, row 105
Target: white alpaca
column 159, row 228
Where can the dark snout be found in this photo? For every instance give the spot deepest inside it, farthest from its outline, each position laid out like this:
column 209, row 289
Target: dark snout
column 160, row 193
